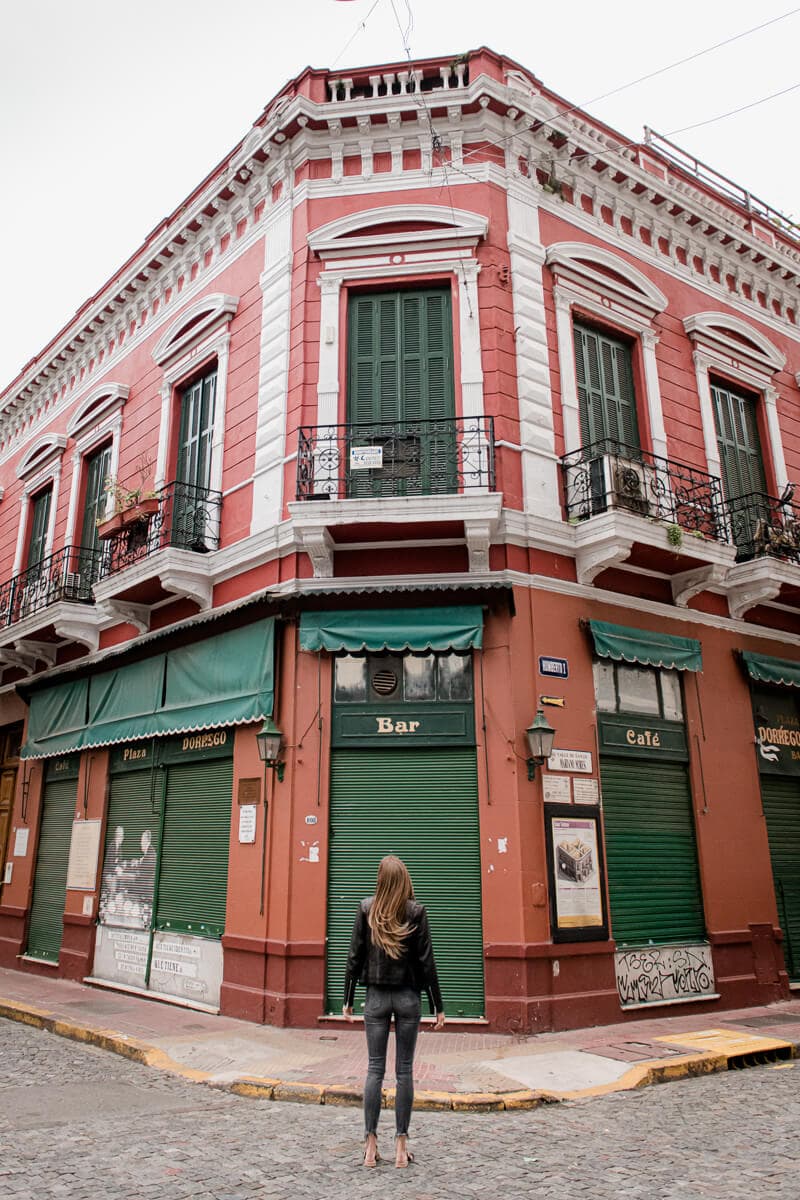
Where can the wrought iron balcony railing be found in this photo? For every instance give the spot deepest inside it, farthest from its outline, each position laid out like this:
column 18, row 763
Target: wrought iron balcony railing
column 762, row 524
column 610, row 475
column 395, row 458
column 186, row 518
column 66, row 575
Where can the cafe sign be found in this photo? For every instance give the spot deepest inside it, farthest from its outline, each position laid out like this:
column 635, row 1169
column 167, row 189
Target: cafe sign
column 642, row 737
column 777, row 728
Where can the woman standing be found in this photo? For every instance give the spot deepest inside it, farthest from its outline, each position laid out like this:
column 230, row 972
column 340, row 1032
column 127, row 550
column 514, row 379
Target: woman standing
column 391, row 953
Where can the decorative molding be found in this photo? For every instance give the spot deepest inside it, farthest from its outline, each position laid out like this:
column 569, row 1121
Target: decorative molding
column 193, row 324
column 734, row 339
column 99, row 404
column 687, row 584
column 576, row 262
column 137, row 615
column 42, row 454
column 457, row 227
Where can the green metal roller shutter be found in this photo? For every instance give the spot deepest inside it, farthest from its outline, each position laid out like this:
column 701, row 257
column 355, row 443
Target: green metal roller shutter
column 46, row 927
column 422, row 805
column 651, row 853
column 134, row 805
column 781, row 801
column 193, row 879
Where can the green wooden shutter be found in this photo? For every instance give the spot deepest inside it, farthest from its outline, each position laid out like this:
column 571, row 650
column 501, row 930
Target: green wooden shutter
column 781, row 801
column 126, row 889
column 46, row 928
column 193, row 878
column 400, row 352
column 738, row 441
column 94, row 497
column 40, row 520
column 606, row 400
column 422, row 805
column 196, row 432
column 651, row 853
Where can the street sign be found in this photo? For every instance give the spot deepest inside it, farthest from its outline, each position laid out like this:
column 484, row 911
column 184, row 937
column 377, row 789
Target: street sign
column 558, row 667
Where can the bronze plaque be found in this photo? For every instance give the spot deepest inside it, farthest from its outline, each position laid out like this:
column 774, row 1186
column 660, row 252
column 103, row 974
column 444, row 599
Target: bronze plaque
column 249, row 791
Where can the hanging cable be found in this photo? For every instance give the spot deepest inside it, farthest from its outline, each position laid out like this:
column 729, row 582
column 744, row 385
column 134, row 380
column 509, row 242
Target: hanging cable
column 362, row 24
column 733, row 111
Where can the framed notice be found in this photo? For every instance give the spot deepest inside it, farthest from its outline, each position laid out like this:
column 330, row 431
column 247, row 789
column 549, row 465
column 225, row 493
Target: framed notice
column 84, row 850
column 577, row 873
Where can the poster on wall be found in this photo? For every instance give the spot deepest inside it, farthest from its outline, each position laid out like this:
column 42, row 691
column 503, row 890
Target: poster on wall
column 577, row 883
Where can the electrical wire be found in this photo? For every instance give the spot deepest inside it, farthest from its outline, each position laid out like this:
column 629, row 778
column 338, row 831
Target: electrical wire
column 642, row 78
column 436, row 141
column 358, row 29
column 733, row 111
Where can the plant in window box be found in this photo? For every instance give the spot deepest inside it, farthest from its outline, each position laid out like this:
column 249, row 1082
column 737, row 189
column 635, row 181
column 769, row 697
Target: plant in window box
column 132, row 505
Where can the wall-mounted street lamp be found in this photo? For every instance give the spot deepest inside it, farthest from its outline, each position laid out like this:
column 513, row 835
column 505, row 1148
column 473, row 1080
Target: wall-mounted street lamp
column 269, row 739
column 540, row 737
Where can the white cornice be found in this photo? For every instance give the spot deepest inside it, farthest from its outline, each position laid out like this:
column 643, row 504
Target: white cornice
column 701, row 222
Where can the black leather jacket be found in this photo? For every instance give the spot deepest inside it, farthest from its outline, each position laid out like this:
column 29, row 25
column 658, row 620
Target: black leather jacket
column 369, row 964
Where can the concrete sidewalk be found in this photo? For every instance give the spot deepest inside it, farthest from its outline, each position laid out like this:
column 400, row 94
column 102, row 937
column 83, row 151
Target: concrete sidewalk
column 465, row 1071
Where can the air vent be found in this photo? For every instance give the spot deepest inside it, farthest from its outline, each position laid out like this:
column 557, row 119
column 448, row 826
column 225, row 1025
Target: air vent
column 384, row 682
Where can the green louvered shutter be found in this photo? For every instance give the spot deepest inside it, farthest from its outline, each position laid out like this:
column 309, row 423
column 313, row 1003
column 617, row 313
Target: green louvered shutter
column 400, row 353
column 134, row 806
column 421, row 804
column 781, row 801
column 98, row 467
column 40, row 521
column 606, row 400
column 651, row 853
column 193, row 879
column 739, row 443
column 46, row 928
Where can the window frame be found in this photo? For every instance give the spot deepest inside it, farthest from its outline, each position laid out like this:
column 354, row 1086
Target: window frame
column 594, row 287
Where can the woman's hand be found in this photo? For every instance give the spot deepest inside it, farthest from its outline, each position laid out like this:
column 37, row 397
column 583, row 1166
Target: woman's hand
column 439, row 1022
column 347, row 1012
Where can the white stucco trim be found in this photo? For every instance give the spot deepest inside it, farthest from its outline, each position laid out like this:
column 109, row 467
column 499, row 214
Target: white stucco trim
column 752, row 365
column 210, row 309
column 43, row 453
column 576, row 261
column 454, row 226
column 98, row 405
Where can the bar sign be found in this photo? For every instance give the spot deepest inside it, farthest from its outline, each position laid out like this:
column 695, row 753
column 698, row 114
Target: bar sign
column 559, row 667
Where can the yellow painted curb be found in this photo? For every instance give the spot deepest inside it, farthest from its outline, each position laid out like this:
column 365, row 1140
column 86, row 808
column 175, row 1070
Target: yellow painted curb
column 343, row 1094
column 300, row 1093
column 478, row 1102
column 255, row 1089
column 521, row 1100
column 715, row 1050
column 433, row 1101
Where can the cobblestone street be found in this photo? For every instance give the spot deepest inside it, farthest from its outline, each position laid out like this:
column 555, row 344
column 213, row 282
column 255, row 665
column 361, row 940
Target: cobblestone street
column 77, row 1122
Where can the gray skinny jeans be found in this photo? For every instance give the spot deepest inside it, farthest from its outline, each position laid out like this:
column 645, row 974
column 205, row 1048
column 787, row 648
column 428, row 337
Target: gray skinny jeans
column 381, row 1005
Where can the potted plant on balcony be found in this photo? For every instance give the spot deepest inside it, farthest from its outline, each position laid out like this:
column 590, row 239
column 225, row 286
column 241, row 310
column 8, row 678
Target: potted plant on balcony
column 132, row 505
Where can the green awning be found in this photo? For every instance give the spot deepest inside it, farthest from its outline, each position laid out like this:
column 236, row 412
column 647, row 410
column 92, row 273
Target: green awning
column 57, row 719
column 122, row 703
column 455, row 628
column 223, row 680
column 772, row 670
column 624, row 644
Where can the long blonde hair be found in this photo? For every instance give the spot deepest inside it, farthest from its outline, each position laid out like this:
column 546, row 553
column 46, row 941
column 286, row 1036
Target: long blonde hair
column 386, row 917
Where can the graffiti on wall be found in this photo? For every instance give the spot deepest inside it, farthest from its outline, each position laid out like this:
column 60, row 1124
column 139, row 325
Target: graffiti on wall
column 662, row 973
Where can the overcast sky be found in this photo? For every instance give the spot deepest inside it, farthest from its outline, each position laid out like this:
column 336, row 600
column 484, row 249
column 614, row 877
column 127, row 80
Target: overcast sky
column 111, row 112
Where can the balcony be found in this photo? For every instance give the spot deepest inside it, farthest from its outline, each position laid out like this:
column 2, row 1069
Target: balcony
column 654, row 513
column 385, row 480
column 160, row 555
column 766, row 532
column 49, row 604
